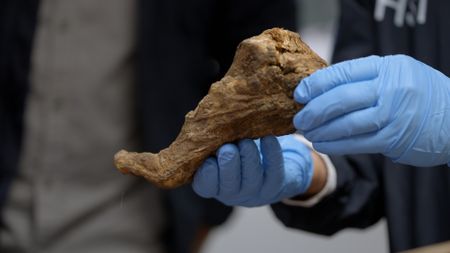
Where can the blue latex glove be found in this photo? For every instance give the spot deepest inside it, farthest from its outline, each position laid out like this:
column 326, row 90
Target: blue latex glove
column 242, row 175
column 392, row 105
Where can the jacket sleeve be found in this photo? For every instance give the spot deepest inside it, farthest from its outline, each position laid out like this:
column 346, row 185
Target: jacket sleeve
column 357, row 201
column 357, row 33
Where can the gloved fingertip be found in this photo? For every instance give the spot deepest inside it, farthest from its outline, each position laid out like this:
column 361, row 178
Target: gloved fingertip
column 248, row 148
column 246, row 143
column 301, row 122
column 297, row 122
column 206, row 179
column 301, row 93
column 227, row 152
column 269, row 142
column 271, row 153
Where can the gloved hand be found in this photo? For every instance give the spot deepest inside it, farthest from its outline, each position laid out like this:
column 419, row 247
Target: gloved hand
column 244, row 176
column 392, row 105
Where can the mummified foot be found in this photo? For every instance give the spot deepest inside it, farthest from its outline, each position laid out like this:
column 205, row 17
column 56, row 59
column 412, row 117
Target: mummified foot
column 254, row 99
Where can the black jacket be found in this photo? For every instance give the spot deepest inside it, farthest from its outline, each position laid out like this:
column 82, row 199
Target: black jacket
column 414, row 201
column 183, row 46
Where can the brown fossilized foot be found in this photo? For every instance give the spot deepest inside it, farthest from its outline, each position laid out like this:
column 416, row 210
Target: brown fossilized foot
column 254, row 99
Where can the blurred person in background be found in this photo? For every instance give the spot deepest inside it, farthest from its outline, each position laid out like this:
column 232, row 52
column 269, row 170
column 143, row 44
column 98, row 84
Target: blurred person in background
column 387, row 112
column 80, row 80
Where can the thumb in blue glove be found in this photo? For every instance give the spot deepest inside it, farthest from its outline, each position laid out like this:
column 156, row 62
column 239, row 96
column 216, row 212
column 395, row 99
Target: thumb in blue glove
column 243, row 175
column 392, row 105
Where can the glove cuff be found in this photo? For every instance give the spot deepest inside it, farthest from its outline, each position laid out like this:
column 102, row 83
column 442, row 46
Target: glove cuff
column 330, row 185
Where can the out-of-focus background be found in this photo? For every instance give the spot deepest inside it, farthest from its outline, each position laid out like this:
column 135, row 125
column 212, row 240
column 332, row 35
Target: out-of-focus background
column 255, row 229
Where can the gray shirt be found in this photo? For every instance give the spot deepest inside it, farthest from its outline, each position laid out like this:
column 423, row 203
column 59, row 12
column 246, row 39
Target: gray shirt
column 68, row 197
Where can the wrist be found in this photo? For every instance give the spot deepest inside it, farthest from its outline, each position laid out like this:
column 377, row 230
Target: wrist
column 319, row 178
column 328, row 188
column 323, row 169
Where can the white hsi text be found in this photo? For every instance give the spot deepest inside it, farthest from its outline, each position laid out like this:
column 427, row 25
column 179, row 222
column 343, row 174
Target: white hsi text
column 411, row 12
